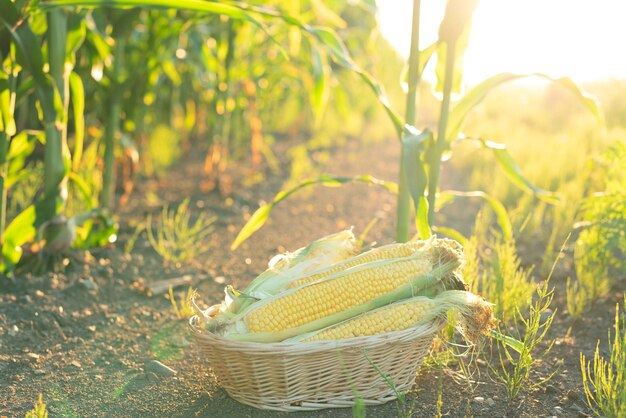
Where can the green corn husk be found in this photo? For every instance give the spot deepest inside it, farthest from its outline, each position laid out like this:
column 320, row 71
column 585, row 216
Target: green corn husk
column 285, row 268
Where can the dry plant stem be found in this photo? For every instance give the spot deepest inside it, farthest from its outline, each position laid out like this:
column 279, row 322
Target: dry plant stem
column 404, row 198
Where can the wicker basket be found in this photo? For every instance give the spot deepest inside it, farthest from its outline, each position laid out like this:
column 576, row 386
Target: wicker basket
column 307, row 376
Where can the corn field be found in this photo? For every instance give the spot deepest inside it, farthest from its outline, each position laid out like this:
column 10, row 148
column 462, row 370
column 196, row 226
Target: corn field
column 167, row 248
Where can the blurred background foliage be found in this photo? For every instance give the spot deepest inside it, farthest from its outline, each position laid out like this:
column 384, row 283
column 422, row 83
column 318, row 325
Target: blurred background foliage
column 139, row 89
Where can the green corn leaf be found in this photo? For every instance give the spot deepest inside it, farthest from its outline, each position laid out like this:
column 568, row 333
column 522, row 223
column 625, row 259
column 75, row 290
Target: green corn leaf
column 413, row 145
column 16, row 175
column 29, row 55
column 77, row 93
column 7, row 122
column 498, row 208
column 335, row 46
column 172, row 73
column 341, row 56
column 457, row 20
column 320, row 91
column 421, row 219
column 250, row 13
column 452, row 233
column 195, row 5
column 124, row 22
column 259, row 217
column 76, row 33
column 83, row 188
column 21, row 146
column 97, row 42
column 454, row 33
column 514, row 173
column 21, row 230
column 440, row 70
column 424, row 58
column 239, row 11
column 25, row 87
column 476, row 95
column 95, row 228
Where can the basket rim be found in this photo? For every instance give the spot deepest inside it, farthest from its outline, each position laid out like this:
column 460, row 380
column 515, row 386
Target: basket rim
column 307, row 347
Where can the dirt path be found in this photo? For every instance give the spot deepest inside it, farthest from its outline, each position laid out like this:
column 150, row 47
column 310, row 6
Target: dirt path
column 84, row 338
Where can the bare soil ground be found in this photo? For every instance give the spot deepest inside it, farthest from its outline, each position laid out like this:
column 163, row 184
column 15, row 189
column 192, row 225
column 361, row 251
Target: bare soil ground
column 84, row 337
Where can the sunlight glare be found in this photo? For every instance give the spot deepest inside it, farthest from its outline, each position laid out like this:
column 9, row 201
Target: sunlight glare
column 580, row 39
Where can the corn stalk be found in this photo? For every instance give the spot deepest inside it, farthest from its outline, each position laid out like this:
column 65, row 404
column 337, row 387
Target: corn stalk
column 7, row 130
column 55, row 170
column 404, row 198
column 112, row 125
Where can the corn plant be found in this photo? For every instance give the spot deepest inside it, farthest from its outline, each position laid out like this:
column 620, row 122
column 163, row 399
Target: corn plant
column 177, row 238
column 48, row 90
column 605, row 383
column 50, row 73
column 122, row 24
column 422, row 151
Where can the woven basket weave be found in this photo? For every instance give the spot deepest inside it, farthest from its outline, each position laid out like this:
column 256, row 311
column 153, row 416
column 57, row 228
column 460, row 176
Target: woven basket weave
column 307, row 376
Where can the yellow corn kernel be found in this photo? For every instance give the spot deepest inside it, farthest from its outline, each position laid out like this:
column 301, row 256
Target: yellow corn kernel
column 351, row 288
column 395, row 317
column 381, row 253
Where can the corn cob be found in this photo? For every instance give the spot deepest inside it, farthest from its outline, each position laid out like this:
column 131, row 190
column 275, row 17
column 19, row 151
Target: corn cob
column 351, row 292
column 284, row 268
column 328, row 297
column 395, row 317
column 385, row 252
column 476, row 317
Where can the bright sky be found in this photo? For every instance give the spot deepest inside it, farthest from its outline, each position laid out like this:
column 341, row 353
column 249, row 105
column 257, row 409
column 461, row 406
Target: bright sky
column 583, row 39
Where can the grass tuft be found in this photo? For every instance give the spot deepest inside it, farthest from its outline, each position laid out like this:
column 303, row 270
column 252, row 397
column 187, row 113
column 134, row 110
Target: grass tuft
column 494, row 271
column 600, row 249
column 514, row 367
column 177, row 238
column 183, row 308
column 605, row 383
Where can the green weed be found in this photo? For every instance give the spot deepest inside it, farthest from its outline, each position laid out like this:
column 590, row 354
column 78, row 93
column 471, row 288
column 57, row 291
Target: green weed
column 177, row 238
column 183, row 308
column 605, row 384
column 439, row 393
column 578, row 299
column 39, row 411
column 494, row 271
column 130, row 243
column 600, row 249
column 531, row 331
